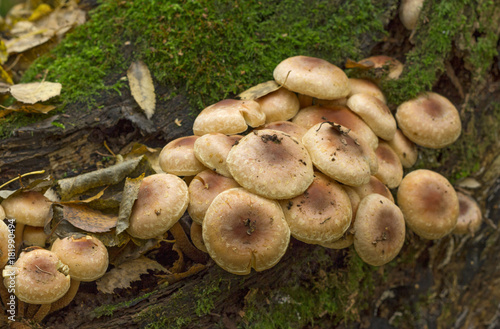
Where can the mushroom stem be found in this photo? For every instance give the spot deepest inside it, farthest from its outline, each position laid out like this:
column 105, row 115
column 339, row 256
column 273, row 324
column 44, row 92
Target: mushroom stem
column 185, row 245
column 19, row 237
column 66, row 299
column 41, row 313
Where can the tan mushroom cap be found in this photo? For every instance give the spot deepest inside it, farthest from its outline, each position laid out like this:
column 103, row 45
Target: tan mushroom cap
column 363, row 86
column 331, row 102
column 196, row 234
column 469, row 217
column 338, row 153
column 212, row 151
column 4, row 244
column 429, row 204
column 373, row 186
column 288, row 127
column 272, row 164
column 34, row 236
column 341, row 115
column 229, row 116
column 87, row 257
column 28, row 208
column 280, row 105
column 312, row 76
column 2, row 213
column 409, row 11
column 161, row 201
column 375, row 113
column 393, row 66
column 429, row 120
column 41, row 278
column 242, row 230
column 177, row 157
column 322, row 213
column 390, row 169
column 406, row 150
column 203, row 189
column 379, row 230
column 305, row 100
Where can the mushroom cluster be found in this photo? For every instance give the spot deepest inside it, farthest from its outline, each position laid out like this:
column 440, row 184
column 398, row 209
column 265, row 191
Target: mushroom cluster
column 314, row 155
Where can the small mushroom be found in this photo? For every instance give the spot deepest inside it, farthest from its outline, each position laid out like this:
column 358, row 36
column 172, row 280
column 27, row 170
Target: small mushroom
column 4, row 244
column 196, row 233
column 363, row 86
column 242, row 231
column 34, row 236
column 390, row 169
column 280, row 105
column 429, row 204
column 409, row 11
column 379, row 230
column 406, row 150
column 469, row 217
column 178, row 158
column 373, row 186
column 212, row 150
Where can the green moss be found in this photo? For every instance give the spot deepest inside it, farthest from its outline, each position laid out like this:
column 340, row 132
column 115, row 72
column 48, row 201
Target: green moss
column 205, row 298
column 108, row 310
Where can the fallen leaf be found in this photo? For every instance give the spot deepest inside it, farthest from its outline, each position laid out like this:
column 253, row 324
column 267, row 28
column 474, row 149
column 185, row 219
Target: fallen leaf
column 5, row 76
column 39, row 12
column 28, row 40
column 126, row 273
column 35, row 92
column 366, row 65
column 31, row 108
column 130, row 192
column 3, row 52
column 88, row 219
column 262, row 89
column 141, row 87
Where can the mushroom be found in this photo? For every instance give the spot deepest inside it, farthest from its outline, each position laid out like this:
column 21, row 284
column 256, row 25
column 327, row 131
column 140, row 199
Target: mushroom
column 469, row 217
column 87, row 259
column 34, row 236
column 203, row 189
column 212, row 150
column 313, row 77
column 4, row 243
column 321, row 214
column 161, row 201
column 409, row 11
column 429, row 204
column 288, row 127
column 363, row 86
column 178, row 158
column 280, row 105
column 429, row 120
column 242, row 230
column 229, row 116
column 390, row 169
column 196, row 234
column 379, row 230
column 272, row 164
column 406, row 150
column 373, row 186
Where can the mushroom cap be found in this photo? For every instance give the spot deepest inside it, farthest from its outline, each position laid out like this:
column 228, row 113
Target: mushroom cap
column 429, row 120
column 394, row 67
column 178, row 158
column 34, row 236
column 338, row 153
column 379, row 230
column 2, row 213
column 363, row 86
column 469, row 217
column 41, row 278
column 203, row 189
column 272, row 164
column 242, row 230
column 305, row 100
column 341, row 115
column 409, row 11
column 28, row 208
column 406, row 150
column 322, row 213
column 280, row 105
column 87, row 257
column 390, row 169
column 344, row 242
column 375, row 113
column 312, row 76
column 229, row 116
column 288, row 127
column 429, row 204
column 4, row 244
column 373, row 186
column 161, row 201
column 212, row 150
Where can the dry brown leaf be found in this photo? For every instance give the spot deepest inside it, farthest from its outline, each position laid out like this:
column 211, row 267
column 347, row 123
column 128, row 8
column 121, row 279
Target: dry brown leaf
column 262, row 89
column 88, row 219
column 30, row 108
column 28, row 40
column 126, row 273
column 141, row 87
column 35, row 92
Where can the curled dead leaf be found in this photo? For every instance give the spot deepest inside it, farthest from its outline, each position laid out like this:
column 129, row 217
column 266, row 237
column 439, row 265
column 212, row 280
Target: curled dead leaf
column 260, row 90
column 88, row 219
column 142, row 87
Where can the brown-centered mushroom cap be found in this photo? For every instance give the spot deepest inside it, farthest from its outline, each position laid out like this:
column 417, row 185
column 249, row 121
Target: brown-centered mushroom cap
column 321, row 214
column 212, row 150
column 312, row 76
column 177, row 157
column 429, row 120
column 203, row 189
column 406, row 150
column 363, row 86
column 87, row 257
column 375, row 113
column 338, row 153
column 229, row 116
column 379, row 230
column 390, row 169
column 271, row 163
column 242, row 230
column 4, row 244
column 28, row 208
column 469, row 217
column 280, row 105
column 161, row 201
column 288, row 127
column 373, row 186
column 40, row 277
column 429, row 204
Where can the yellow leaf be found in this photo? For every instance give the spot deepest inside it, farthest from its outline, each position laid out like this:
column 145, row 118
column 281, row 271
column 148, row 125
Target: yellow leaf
column 142, row 88
column 34, row 92
column 5, row 76
column 40, row 11
column 262, row 89
column 31, row 108
column 3, row 52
